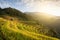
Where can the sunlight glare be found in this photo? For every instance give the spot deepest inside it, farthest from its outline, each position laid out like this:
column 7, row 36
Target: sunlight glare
column 50, row 9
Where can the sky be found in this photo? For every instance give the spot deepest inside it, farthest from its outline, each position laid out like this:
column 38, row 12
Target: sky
column 48, row 6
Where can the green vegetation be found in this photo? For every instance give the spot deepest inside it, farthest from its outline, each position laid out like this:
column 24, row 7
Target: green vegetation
column 19, row 31
column 13, row 27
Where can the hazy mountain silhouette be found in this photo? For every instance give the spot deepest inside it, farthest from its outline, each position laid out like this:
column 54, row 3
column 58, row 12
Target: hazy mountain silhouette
column 16, row 25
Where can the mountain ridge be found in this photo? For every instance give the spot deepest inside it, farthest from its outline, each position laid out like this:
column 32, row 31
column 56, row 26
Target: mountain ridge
column 13, row 26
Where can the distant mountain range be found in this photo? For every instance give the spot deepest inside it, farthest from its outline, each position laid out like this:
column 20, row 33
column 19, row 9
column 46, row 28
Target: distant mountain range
column 16, row 25
column 48, row 20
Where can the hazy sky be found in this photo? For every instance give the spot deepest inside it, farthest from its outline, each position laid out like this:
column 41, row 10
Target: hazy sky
column 52, row 6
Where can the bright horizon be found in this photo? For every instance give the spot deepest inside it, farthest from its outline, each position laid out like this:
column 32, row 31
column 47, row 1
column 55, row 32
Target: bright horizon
column 46, row 6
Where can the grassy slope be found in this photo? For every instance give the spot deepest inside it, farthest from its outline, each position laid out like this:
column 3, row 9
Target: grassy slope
column 14, row 30
column 12, row 27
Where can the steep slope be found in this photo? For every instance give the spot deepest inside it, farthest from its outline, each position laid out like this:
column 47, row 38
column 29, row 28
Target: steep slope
column 14, row 25
column 50, row 21
column 11, row 30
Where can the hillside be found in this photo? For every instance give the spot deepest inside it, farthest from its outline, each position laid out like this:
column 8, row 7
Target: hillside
column 15, row 25
column 47, row 20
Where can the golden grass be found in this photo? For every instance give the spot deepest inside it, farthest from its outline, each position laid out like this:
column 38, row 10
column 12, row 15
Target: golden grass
column 26, row 32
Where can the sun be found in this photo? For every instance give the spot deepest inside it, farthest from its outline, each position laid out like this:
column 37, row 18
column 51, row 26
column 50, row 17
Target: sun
column 50, row 9
column 53, row 11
